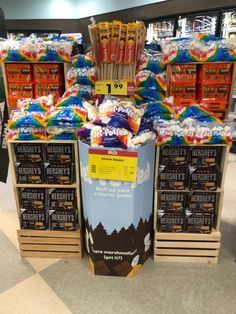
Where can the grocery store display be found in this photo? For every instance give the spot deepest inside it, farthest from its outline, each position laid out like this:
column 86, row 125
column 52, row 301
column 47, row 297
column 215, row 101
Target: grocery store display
column 47, row 190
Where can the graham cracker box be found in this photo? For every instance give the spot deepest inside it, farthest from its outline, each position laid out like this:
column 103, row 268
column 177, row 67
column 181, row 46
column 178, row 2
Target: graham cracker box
column 118, row 215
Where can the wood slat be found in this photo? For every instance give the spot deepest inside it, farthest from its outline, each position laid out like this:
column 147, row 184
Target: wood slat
column 50, row 254
column 49, row 248
column 48, row 233
column 190, row 244
column 184, row 259
column 43, row 240
column 190, row 252
column 45, row 185
column 214, row 236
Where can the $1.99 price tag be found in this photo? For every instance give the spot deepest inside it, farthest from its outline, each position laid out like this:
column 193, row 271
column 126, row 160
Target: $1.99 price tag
column 112, row 165
column 111, row 87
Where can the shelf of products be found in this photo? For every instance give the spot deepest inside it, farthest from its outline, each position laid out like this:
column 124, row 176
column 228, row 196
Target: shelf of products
column 188, row 202
column 33, row 80
column 208, row 83
column 49, row 214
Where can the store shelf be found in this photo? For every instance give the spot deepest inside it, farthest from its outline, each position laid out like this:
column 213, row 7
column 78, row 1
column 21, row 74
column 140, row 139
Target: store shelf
column 191, row 191
column 48, row 186
column 50, row 244
column 187, row 247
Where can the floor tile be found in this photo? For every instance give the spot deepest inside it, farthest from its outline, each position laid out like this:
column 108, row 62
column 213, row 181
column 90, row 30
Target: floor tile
column 159, row 287
column 9, row 224
column 32, row 296
column 13, row 268
column 41, row 263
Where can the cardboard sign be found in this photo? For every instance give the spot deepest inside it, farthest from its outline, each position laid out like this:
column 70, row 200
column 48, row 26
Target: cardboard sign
column 114, row 87
column 112, row 165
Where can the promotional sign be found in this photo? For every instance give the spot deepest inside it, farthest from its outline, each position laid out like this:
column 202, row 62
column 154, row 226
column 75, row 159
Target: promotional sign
column 112, row 164
column 114, row 87
column 118, row 215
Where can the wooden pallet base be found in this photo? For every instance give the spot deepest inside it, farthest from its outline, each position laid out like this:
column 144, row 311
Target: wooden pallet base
column 187, row 247
column 50, row 244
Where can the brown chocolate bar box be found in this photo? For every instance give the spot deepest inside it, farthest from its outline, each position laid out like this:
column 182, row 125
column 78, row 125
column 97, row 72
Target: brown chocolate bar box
column 62, row 199
column 170, row 221
column 172, row 201
column 63, row 220
column 202, row 202
column 59, row 153
column 59, row 173
column 199, row 222
column 28, row 152
column 172, row 177
column 29, row 172
column 32, row 198
column 173, row 155
column 34, row 219
column 203, row 178
column 204, row 156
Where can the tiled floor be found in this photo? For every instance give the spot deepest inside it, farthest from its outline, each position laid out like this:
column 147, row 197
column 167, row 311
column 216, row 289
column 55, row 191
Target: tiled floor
column 68, row 286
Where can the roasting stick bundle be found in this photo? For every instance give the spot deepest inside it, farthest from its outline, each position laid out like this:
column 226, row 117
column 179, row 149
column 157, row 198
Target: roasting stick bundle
column 116, row 48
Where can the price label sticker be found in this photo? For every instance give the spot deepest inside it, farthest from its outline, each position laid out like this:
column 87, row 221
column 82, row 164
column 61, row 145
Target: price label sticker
column 112, row 165
column 115, row 87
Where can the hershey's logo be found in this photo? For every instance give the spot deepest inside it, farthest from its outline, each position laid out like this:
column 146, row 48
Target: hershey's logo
column 172, row 197
column 32, row 196
column 35, row 217
column 206, row 152
column 58, row 171
column 28, row 149
column 173, row 152
column 172, row 220
column 206, row 221
column 29, row 171
column 62, row 196
column 204, row 197
column 204, row 176
column 172, row 176
column 56, row 149
column 63, row 217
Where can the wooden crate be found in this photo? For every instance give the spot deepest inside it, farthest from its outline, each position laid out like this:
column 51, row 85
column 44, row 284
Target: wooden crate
column 50, row 244
column 187, row 247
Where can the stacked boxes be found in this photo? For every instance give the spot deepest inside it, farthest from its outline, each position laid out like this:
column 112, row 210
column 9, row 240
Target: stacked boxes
column 208, row 84
column 28, row 80
column 53, row 163
column 187, row 195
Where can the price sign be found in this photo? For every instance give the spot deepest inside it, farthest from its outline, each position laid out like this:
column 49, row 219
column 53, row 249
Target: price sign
column 112, row 165
column 115, row 87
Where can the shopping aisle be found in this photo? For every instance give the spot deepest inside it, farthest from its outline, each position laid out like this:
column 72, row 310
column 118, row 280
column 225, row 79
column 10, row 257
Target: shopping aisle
column 68, row 286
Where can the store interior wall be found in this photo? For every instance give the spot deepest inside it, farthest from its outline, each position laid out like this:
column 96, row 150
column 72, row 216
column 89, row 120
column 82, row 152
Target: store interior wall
column 147, row 12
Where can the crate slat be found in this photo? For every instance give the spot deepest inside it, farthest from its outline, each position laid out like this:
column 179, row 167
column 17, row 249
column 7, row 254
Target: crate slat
column 188, row 244
column 50, row 244
column 184, row 259
column 49, row 248
column 44, row 240
column 50, row 254
column 214, row 236
column 186, row 252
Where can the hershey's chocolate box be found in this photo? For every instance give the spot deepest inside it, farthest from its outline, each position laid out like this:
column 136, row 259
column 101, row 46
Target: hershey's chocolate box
column 199, row 222
column 204, row 156
column 62, row 199
column 202, row 202
column 59, row 173
column 32, row 198
column 173, row 155
column 63, row 220
column 30, row 173
column 34, row 219
column 28, row 152
column 170, row 221
column 59, row 153
column 203, row 178
column 172, row 177
column 172, row 201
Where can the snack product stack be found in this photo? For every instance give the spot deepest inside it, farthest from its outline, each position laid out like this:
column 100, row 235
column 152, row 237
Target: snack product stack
column 116, row 48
